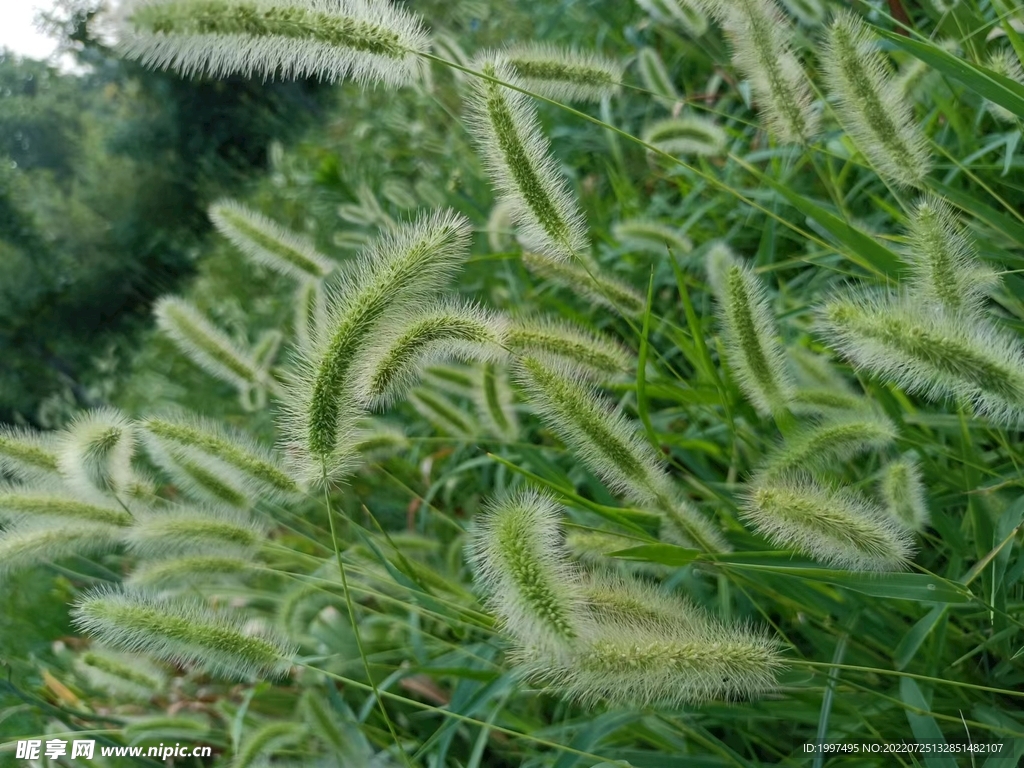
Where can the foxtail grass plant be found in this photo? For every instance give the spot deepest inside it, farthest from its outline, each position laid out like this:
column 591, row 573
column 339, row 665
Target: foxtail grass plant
column 267, row 243
column 652, row 237
column 751, row 338
column 182, row 631
column 367, row 42
column 96, row 451
column 929, row 350
column 518, row 159
column 902, row 490
column 944, row 259
column 403, row 267
column 432, row 335
column 208, row 346
column 656, row 79
column 836, row 526
column 563, row 74
column 760, row 35
column 588, row 280
column 27, row 454
column 870, row 105
column 684, row 14
column 562, row 465
column 690, row 136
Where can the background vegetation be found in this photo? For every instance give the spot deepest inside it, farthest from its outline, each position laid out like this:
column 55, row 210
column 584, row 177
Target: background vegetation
column 103, row 197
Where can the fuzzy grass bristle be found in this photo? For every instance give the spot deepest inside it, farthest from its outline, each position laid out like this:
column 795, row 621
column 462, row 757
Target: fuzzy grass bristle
column 363, row 40
column 257, row 467
column 944, row 258
column 870, row 105
column 687, row 136
column 564, row 74
column 27, row 454
column 928, row 350
column 522, row 567
column 181, row 631
column 588, row 280
column 760, row 35
column 752, row 344
column 833, row 525
column 434, row 334
column 518, row 159
column 268, row 243
column 590, row 352
column 95, row 451
column 404, row 267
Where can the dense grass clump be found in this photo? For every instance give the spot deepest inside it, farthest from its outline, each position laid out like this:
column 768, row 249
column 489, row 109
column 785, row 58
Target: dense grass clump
column 676, row 425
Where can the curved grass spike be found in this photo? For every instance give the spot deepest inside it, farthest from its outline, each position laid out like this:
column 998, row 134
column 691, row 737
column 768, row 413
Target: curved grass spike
column 267, row 243
column 753, row 349
column 833, row 525
column 182, row 631
column 189, row 570
column 929, row 350
column 194, row 530
column 27, row 454
column 522, row 567
column 944, row 258
column 592, row 353
column 604, row 439
column 28, row 544
column 643, row 664
column 651, row 237
column 838, row 438
column 612, row 447
column 616, row 599
column 367, row 41
column 589, row 282
column 870, row 105
column 200, row 475
column 403, row 268
column 564, row 74
column 681, row 13
column 258, row 467
column 493, row 398
column 266, row 349
column 902, row 489
column 518, row 159
column 760, row 35
column 95, row 451
column 433, row 335
column 825, row 402
column 54, row 507
column 205, row 345
column 121, row 675
column 691, row 135
column 656, row 79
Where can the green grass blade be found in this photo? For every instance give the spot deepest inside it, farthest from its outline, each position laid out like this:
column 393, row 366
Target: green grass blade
column 993, row 86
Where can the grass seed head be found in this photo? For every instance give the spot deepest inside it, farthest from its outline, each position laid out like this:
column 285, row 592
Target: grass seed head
column 181, row 631
column 369, row 41
column 268, row 243
column 518, row 159
column 833, row 525
column 564, row 74
column 870, row 104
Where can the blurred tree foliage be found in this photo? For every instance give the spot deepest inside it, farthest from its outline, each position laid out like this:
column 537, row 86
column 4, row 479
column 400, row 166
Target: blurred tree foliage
column 105, row 175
